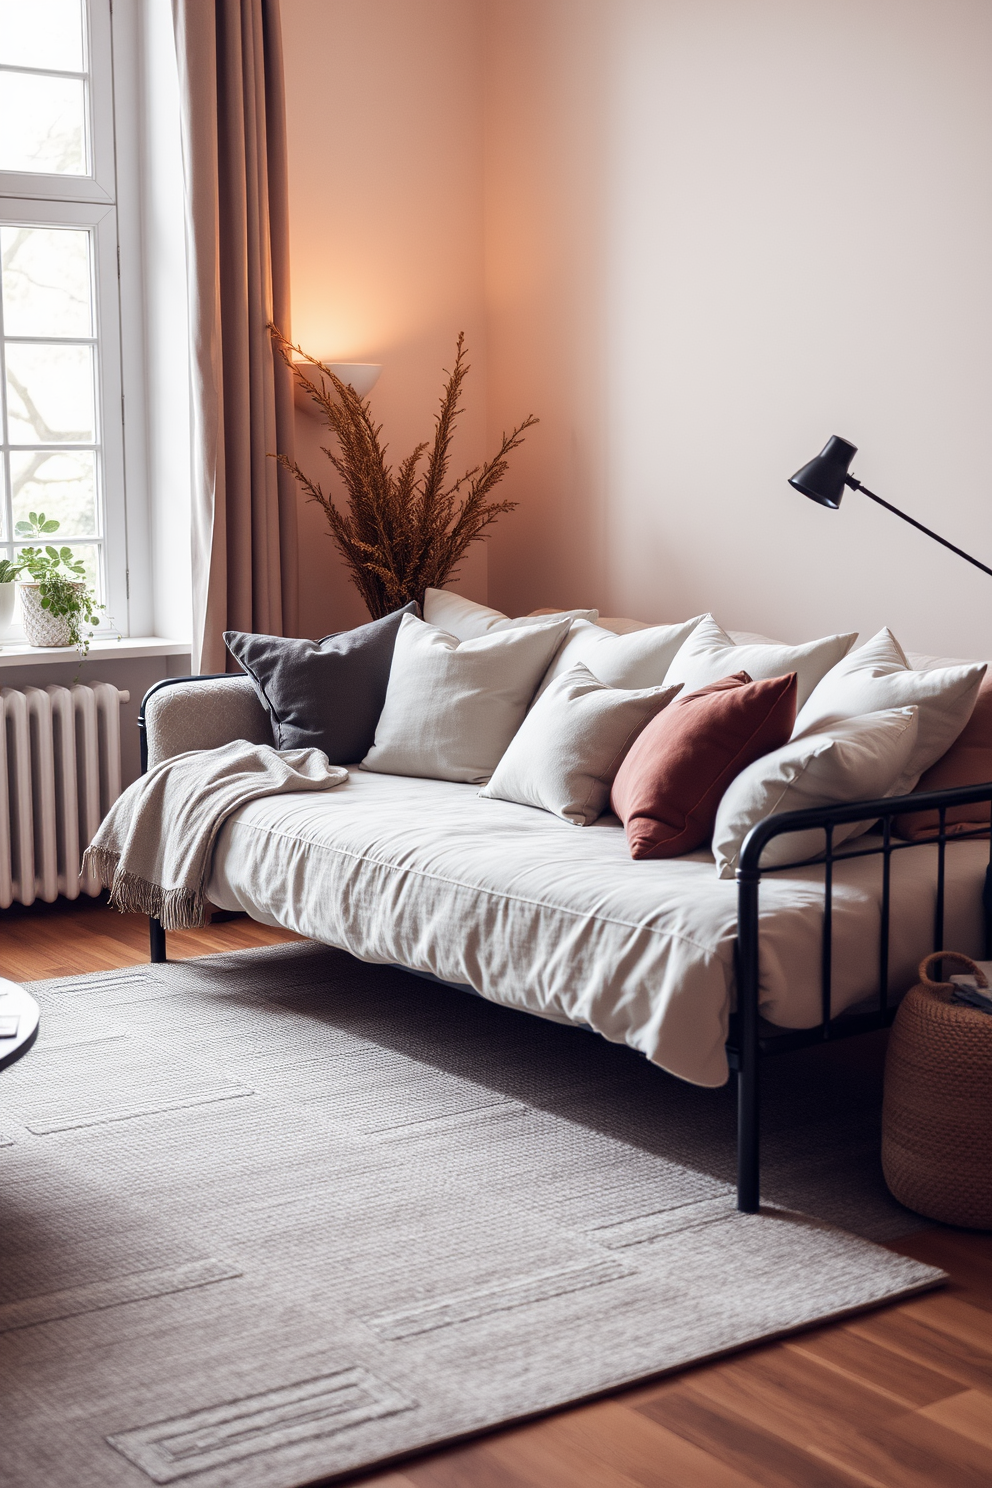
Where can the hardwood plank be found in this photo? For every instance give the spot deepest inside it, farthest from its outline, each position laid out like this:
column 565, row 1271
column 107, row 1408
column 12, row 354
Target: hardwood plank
column 471, row 1466
column 955, row 1317
column 72, row 938
column 795, row 1398
column 546, row 1457
column 650, row 1454
column 969, row 1414
column 844, row 1424
column 386, row 1480
column 738, row 1442
column 965, row 1254
column 925, row 1345
column 859, row 1359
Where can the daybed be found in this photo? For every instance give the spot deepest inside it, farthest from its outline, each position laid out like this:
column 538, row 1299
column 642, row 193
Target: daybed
column 699, row 974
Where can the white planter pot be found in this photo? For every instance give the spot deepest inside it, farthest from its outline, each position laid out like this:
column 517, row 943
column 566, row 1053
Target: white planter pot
column 41, row 628
column 8, row 594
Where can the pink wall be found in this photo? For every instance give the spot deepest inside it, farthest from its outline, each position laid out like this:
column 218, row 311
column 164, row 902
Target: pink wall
column 718, row 231
column 695, row 237
column 385, row 146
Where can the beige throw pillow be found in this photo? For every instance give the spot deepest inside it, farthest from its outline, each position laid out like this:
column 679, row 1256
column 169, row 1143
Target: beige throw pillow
column 877, row 676
column 566, row 753
column 452, row 708
column 466, row 620
column 638, row 659
column 709, row 655
column 857, row 759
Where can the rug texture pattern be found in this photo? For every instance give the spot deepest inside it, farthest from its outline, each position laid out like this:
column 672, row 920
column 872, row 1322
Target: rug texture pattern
column 274, row 1216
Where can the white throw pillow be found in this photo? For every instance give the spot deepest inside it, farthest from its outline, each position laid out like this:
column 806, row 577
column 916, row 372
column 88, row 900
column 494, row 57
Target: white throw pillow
column 709, row 655
column 566, row 753
column 639, row 659
column 452, row 707
column 858, row 759
column 878, row 675
column 466, row 620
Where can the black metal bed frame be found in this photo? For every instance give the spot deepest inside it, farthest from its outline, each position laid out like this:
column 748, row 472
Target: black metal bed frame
column 748, row 1040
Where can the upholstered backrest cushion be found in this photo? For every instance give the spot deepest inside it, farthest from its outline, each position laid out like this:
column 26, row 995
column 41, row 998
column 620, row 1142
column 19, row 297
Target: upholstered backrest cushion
column 466, row 620
column 669, row 787
column 967, row 762
column 641, row 658
column 858, row 759
column 452, row 707
column 325, row 694
column 878, row 676
column 709, row 654
column 566, row 753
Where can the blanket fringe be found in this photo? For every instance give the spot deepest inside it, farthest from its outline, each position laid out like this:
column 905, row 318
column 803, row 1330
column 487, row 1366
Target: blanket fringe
column 175, row 909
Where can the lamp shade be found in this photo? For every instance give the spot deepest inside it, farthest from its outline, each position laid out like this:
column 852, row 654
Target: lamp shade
column 823, row 479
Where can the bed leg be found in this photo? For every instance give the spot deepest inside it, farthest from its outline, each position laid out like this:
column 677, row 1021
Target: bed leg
column 749, row 1054
column 748, row 1139
column 157, row 938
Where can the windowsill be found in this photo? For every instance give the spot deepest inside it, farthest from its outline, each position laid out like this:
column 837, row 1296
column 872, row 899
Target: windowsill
column 19, row 653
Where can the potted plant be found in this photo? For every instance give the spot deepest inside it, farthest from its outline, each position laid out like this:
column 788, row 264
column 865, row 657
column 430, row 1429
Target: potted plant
column 56, row 601
column 8, row 593
column 404, row 529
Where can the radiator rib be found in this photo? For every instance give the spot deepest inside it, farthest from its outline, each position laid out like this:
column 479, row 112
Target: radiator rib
column 60, row 755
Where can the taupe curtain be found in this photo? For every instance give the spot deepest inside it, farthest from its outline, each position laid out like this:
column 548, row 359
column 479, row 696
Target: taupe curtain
column 245, row 555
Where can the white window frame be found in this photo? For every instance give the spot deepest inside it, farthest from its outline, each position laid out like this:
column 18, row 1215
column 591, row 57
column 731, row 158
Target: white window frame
column 72, row 201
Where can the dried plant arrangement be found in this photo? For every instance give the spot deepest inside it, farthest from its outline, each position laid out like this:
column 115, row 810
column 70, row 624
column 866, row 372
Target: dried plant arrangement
column 403, row 530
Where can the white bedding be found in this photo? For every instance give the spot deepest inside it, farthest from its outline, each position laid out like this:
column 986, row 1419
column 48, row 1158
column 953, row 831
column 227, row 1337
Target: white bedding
column 560, row 920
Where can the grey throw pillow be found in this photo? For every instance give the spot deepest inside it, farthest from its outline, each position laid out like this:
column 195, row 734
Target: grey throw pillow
column 325, row 694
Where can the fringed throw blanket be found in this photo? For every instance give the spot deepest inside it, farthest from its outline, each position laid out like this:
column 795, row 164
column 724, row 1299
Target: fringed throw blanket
column 153, row 849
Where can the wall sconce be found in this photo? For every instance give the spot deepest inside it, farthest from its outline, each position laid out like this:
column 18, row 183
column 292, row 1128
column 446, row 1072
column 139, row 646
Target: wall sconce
column 362, row 376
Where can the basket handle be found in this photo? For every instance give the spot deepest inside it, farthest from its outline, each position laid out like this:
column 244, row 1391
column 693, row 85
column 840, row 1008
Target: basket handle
column 965, row 961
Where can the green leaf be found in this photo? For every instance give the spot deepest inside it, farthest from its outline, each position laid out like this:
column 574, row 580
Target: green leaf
column 50, row 526
column 52, row 552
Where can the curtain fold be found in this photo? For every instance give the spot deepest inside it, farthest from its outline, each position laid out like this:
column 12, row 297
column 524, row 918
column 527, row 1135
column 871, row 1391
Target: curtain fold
column 244, row 522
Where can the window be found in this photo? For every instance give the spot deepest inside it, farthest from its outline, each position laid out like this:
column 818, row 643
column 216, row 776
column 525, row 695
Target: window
column 60, row 378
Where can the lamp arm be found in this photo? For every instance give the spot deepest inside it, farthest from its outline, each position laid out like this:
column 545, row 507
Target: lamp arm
column 856, row 485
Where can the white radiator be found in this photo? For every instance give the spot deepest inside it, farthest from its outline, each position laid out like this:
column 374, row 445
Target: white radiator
column 60, row 756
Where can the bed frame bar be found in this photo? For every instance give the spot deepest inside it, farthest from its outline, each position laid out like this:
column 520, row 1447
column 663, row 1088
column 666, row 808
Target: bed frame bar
column 748, row 1039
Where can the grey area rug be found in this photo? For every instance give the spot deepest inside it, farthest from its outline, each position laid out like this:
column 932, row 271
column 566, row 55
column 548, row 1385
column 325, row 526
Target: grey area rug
column 273, row 1216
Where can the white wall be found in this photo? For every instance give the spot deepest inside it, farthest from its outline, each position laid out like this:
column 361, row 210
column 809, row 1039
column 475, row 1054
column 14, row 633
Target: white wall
column 718, row 231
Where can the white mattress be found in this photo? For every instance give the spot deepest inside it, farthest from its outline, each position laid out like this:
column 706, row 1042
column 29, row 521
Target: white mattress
column 560, row 920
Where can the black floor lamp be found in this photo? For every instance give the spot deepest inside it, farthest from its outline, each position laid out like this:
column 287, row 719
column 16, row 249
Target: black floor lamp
column 824, row 479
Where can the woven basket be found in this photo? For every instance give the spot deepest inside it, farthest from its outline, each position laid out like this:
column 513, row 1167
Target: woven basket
column 937, row 1110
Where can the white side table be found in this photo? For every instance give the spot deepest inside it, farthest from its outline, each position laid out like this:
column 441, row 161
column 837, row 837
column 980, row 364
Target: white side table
column 18, row 1022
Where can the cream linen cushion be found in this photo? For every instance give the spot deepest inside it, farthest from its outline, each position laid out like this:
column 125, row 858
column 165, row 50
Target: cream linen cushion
column 639, row 659
column 878, row 675
column 452, row 707
column 466, row 620
column 709, row 654
column 856, row 759
column 567, row 751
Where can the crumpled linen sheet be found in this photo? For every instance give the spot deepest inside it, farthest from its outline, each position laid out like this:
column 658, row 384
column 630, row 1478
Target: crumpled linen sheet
column 560, row 921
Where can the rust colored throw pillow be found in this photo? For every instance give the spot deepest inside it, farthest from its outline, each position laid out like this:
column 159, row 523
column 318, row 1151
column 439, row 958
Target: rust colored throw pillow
column 669, row 787
column 967, row 762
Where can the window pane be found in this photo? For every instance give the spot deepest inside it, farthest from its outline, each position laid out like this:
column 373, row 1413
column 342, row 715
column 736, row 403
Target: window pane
column 62, row 485
column 42, row 33
column 50, row 394
column 42, row 124
column 88, row 552
column 46, row 282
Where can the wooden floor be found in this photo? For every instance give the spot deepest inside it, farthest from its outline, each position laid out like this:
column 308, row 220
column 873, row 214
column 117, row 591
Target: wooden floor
column 898, row 1398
